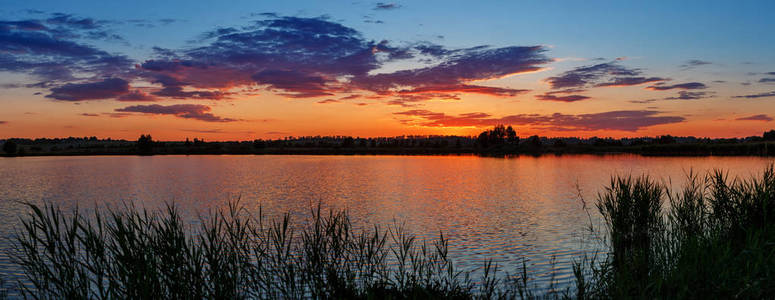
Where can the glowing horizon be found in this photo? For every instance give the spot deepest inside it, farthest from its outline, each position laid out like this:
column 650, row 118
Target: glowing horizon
column 253, row 70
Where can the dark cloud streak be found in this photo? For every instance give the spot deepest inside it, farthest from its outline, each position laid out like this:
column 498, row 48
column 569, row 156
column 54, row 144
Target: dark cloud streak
column 186, row 111
column 105, row 89
column 625, row 120
column 761, row 117
column 684, row 86
column 600, row 75
column 386, row 6
column 759, row 95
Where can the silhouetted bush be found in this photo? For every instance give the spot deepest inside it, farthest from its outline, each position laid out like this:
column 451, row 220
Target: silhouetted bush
column 10, row 147
column 497, row 136
column 665, row 139
column 259, row 144
column 534, row 142
column 769, row 135
column 145, row 143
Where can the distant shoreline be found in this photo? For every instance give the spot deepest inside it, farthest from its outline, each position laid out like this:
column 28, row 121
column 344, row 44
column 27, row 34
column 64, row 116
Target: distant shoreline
column 676, row 150
column 499, row 141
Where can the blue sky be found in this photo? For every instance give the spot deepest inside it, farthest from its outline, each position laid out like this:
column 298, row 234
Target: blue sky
column 724, row 46
column 734, row 32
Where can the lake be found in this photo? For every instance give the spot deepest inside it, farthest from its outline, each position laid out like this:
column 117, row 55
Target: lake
column 510, row 209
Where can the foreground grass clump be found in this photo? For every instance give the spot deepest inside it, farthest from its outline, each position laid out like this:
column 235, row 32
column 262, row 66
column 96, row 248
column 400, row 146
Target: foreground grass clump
column 715, row 238
column 136, row 254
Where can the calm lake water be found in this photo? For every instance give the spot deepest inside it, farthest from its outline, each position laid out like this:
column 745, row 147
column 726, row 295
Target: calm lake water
column 508, row 209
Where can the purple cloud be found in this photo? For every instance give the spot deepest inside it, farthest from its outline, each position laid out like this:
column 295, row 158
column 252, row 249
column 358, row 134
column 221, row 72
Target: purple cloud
column 462, row 88
column 386, row 6
column 625, row 120
column 105, row 89
column 761, row 117
column 292, row 56
column 327, row 101
column 683, row 86
column 694, row 63
column 48, row 50
column 137, row 95
column 297, row 84
column 72, row 21
column 687, row 95
column 600, row 75
column 565, row 98
column 629, row 81
column 313, row 57
column 177, row 92
column 461, row 67
column 760, row 95
column 414, row 100
column 186, row 111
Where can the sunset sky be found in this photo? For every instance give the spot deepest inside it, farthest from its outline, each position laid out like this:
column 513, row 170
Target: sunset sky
column 268, row 69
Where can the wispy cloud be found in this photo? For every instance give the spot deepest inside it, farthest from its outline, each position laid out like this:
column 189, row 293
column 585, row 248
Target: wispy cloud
column 317, row 53
column 687, row 95
column 761, row 117
column 216, row 131
column 694, row 63
column 386, row 6
column 289, row 56
column 601, row 75
column 759, row 95
column 625, row 120
column 137, row 96
column 105, row 89
column 683, row 86
column 561, row 98
column 327, row 101
column 186, row 111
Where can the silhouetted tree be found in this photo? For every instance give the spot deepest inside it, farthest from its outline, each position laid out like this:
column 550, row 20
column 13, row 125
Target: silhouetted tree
column 259, row 144
column 10, row 147
column 666, row 139
column 145, row 143
column 511, row 135
column 534, row 141
column 769, row 135
column 483, row 139
column 559, row 143
column 348, row 142
column 498, row 135
column 188, row 143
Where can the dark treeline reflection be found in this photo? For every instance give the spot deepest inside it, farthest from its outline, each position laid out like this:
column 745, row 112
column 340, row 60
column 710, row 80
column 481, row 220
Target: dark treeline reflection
column 713, row 238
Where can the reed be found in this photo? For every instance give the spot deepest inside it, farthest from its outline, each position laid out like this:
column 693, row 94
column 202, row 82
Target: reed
column 715, row 238
column 141, row 254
